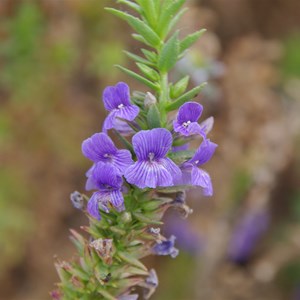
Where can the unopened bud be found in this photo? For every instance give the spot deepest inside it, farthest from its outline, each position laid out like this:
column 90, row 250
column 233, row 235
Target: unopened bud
column 126, row 217
column 77, row 200
column 149, row 100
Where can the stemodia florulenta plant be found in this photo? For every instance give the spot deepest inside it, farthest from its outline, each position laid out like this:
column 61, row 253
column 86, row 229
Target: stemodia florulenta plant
column 133, row 187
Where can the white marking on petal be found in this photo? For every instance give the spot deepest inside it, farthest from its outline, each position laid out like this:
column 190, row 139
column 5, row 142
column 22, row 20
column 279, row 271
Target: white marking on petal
column 186, row 124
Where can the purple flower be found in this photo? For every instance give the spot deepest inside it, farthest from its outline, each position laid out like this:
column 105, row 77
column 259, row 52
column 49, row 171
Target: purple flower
column 152, row 168
column 166, row 247
column 191, row 174
column 187, row 119
column 108, row 181
column 247, row 233
column 117, row 101
column 99, row 147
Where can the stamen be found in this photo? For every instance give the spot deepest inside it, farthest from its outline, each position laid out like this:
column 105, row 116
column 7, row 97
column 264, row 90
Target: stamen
column 186, row 124
column 151, row 156
column 120, row 106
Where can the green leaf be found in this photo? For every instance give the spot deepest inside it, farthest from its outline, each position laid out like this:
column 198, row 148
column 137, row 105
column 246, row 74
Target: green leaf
column 142, row 218
column 139, row 26
column 169, row 53
column 189, row 40
column 175, row 20
column 138, row 58
column 130, row 4
column 150, row 55
column 186, row 97
column 149, row 11
column 167, row 14
column 153, row 117
column 148, row 72
column 131, row 260
column 139, row 78
column 179, row 87
column 139, row 38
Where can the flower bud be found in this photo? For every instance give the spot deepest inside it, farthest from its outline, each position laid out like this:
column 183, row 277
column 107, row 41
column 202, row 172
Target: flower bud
column 77, row 200
column 126, row 217
column 149, row 100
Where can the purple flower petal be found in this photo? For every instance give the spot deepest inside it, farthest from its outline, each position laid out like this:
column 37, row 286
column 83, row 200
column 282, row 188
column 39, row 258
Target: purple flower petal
column 100, row 148
column 113, row 96
column 153, row 143
column 204, row 153
column 166, row 247
column 190, row 111
column 127, row 112
column 93, row 206
column 109, row 121
column 122, row 160
column 186, row 122
column 148, row 174
column 172, row 168
column 90, row 183
column 202, row 178
column 117, row 101
column 117, row 200
column 106, row 177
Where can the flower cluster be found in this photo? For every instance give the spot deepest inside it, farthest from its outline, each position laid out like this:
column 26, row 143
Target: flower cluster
column 134, row 187
column 113, row 168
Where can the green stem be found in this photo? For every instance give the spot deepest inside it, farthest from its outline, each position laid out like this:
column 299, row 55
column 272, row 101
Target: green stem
column 164, row 96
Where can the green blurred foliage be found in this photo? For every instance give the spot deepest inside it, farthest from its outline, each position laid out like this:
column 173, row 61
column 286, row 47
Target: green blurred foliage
column 291, row 59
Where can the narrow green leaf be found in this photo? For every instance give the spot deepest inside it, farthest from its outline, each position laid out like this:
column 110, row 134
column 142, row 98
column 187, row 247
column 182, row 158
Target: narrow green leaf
column 150, row 55
column 189, row 40
column 153, row 117
column 132, row 5
column 139, row 26
column 138, row 58
column 174, row 21
column 149, row 11
column 185, row 97
column 169, row 53
column 148, row 72
column 179, row 87
column 142, row 218
column 167, row 14
column 139, row 38
column 131, row 260
column 139, row 78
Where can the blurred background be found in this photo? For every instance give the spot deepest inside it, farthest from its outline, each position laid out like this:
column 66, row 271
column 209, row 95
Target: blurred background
column 56, row 56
